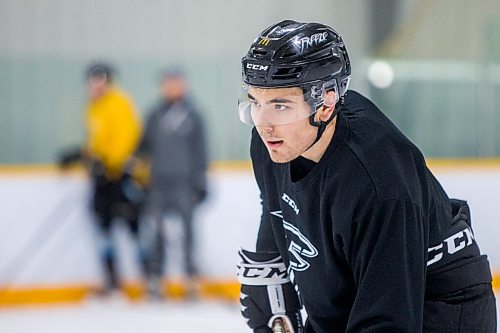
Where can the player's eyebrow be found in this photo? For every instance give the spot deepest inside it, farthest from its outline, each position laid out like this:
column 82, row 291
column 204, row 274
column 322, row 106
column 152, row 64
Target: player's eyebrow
column 281, row 100
column 274, row 100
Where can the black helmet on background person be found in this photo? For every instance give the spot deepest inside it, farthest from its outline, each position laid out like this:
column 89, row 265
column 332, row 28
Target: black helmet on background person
column 311, row 56
column 100, row 70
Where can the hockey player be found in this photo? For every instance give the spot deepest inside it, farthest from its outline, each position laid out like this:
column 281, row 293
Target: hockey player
column 354, row 225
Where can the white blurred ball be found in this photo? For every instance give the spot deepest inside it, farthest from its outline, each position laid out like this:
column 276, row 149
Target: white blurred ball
column 380, row 74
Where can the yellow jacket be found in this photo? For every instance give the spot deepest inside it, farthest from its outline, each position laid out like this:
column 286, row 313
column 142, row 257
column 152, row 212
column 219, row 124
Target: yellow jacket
column 113, row 131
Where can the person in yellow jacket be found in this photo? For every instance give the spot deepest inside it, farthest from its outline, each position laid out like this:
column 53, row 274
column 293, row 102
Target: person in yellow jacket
column 113, row 131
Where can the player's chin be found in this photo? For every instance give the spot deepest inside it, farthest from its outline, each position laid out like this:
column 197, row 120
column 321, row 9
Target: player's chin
column 281, row 156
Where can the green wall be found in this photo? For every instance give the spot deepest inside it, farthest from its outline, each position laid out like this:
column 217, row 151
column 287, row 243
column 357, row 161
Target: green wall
column 45, row 46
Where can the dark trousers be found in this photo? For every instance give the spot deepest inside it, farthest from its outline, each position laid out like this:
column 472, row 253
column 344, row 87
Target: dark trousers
column 110, row 203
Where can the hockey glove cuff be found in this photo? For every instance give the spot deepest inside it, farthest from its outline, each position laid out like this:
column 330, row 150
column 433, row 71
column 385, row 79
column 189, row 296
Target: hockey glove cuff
column 268, row 299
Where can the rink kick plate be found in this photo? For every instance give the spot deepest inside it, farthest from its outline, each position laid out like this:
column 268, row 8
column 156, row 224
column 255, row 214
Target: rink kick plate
column 175, row 290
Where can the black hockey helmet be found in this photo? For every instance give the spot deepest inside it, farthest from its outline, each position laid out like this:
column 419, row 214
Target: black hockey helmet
column 290, row 53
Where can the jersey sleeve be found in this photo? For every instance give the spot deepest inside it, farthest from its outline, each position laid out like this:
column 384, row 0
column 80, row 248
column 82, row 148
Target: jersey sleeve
column 265, row 238
column 388, row 264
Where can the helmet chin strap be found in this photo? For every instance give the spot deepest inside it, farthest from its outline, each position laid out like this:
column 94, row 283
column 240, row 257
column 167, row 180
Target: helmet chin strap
column 321, row 125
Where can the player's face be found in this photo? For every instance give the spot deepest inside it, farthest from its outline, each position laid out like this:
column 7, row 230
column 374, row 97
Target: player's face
column 97, row 86
column 289, row 139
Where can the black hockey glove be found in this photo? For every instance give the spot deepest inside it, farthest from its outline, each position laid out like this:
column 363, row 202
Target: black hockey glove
column 69, row 157
column 268, row 299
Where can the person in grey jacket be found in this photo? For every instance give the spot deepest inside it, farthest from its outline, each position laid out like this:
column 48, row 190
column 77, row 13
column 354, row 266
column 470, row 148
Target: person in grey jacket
column 174, row 143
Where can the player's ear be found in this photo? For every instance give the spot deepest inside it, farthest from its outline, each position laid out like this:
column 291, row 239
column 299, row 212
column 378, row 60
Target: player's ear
column 330, row 98
column 328, row 106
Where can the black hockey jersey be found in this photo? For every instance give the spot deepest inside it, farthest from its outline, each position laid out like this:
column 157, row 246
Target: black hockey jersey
column 367, row 232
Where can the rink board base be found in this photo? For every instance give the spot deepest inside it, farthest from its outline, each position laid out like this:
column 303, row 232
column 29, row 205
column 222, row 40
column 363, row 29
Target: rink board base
column 134, row 291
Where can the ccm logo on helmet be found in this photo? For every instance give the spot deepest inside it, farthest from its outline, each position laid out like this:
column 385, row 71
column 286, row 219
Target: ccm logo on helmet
column 257, row 67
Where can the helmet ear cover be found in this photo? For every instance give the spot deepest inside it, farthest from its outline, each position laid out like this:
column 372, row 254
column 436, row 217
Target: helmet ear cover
column 317, row 96
column 315, row 93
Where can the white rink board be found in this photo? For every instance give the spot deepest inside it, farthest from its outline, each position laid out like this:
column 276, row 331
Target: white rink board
column 47, row 235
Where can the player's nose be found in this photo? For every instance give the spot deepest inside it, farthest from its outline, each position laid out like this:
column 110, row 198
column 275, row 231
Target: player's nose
column 265, row 129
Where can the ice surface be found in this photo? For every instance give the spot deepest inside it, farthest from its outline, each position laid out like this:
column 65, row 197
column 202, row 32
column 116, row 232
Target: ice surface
column 124, row 317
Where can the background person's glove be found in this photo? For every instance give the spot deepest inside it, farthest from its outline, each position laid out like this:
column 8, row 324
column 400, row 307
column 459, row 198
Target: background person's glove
column 68, row 157
column 268, row 299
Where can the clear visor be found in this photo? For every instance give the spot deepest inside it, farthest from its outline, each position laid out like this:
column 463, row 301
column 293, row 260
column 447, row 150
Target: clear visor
column 98, row 80
column 277, row 106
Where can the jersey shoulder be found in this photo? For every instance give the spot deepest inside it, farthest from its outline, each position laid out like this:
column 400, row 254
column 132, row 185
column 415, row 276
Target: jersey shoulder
column 119, row 97
column 394, row 165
